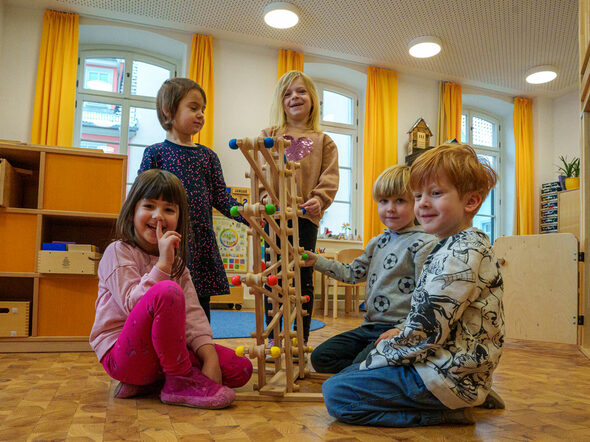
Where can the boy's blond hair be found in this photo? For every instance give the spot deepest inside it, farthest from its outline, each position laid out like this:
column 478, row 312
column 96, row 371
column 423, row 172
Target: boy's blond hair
column 459, row 164
column 277, row 113
column 393, row 181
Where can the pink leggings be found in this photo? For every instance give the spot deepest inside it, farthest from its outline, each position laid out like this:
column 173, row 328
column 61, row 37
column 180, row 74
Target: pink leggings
column 153, row 343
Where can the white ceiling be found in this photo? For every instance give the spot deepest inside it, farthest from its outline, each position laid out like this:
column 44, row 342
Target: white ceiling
column 486, row 43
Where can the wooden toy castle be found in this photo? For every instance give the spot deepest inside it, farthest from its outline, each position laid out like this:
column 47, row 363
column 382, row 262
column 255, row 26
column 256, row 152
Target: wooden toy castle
column 276, row 276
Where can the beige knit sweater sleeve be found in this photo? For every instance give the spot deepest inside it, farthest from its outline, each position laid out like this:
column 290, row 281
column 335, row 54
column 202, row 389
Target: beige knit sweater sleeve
column 318, row 176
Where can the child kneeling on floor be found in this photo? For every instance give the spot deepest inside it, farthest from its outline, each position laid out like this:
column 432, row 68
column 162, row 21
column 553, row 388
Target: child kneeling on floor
column 150, row 332
column 441, row 363
column 391, row 264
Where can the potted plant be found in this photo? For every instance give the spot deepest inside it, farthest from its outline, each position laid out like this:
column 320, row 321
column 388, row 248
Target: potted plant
column 571, row 171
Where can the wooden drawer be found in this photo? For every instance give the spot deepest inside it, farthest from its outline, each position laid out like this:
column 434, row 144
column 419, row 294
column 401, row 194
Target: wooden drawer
column 66, row 306
column 14, row 318
column 10, row 185
column 18, row 232
column 83, row 184
column 71, row 262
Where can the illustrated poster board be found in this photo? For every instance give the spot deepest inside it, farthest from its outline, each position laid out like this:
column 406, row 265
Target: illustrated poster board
column 232, row 236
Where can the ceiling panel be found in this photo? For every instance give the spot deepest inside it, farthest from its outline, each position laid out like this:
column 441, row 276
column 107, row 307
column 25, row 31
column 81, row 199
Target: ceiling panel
column 486, row 43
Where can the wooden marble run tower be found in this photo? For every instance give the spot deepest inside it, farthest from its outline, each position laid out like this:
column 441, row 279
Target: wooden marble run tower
column 276, row 276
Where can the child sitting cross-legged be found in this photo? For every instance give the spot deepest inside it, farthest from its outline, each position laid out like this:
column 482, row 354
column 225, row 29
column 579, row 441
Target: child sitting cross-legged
column 150, row 332
column 440, row 365
column 391, row 263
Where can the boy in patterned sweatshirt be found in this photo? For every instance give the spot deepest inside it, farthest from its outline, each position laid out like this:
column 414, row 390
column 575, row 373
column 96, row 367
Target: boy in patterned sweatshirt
column 391, row 264
column 441, row 363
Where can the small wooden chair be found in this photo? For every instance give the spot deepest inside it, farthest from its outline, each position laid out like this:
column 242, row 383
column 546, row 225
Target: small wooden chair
column 345, row 256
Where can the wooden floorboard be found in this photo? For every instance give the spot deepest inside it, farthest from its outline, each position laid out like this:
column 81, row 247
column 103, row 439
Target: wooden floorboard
column 67, row 396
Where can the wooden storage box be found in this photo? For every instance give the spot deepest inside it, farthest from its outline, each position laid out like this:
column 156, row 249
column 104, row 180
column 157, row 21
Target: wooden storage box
column 10, row 185
column 14, row 318
column 73, row 262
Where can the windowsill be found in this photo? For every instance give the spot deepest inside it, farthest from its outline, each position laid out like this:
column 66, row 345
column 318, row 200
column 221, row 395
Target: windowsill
column 346, row 241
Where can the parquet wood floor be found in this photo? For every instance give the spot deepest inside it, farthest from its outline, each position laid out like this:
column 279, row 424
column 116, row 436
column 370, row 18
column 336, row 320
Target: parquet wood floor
column 67, row 396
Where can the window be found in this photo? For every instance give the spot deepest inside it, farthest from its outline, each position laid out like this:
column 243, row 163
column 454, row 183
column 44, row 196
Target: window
column 116, row 102
column 482, row 131
column 338, row 118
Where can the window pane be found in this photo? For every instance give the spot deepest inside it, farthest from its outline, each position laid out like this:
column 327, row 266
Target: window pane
column 485, row 224
column 335, row 216
column 490, row 159
column 144, row 127
column 146, row 78
column 134, row 157
column 483, row 132
column 101, row 124
column 487, row 208
column 344, row 144
column 464, row 129
column 343, row 193
column 337, row 107
column 104, row 74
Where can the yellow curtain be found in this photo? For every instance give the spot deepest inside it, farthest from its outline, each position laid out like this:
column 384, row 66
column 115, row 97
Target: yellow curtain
column 55, row 90
column 201, row 71
column 289, row 61
column 523, row 139
column 380, row 146
column 450, row 106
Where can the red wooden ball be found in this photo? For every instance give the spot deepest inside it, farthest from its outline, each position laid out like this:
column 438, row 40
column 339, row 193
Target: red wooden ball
column 272, row 280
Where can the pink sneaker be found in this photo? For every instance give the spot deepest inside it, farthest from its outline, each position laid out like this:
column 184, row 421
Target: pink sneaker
column 125, row 391
column 196, row 390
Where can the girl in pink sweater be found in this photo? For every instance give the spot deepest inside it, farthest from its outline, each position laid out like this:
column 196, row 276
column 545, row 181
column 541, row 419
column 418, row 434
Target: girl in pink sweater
column 150, row 333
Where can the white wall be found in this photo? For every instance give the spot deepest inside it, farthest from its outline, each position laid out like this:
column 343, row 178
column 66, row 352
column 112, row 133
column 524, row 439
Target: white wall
column 170, row 44
column 566, row 127
column 417, row 98
column 21, row 36
column 245, row 77
column 1, row 23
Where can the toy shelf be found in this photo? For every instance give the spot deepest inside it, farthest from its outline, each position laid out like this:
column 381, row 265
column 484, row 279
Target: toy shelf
column 66, row 194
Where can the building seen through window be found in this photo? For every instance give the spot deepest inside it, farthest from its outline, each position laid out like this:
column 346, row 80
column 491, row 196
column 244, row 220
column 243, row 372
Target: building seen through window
column 483, row 132
column 116, row 102
column 339, row 121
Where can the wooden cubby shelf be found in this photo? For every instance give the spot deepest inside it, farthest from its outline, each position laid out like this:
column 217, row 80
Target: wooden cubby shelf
column 68, row 194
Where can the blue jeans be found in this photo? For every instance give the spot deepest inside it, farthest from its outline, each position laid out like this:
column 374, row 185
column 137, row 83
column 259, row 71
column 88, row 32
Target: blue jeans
column 345, row 349
column 392, row 396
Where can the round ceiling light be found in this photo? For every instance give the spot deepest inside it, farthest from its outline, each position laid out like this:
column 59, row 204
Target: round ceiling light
column 541, row 74
column 424, row 47
column 281, row 15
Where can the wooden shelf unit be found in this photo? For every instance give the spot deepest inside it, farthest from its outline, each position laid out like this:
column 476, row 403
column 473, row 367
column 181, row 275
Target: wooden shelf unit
column 72, row 194
column 569, row 212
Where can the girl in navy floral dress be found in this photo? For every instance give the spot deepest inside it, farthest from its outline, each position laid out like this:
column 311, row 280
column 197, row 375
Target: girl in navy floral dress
column 181, row 105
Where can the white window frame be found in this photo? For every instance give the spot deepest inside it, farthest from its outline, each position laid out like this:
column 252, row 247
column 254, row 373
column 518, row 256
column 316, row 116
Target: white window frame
column 353, row 131
column 496, row 152
column 126, row 100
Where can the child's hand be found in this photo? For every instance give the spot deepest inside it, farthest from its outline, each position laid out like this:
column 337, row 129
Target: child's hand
column 311, row 259
column 312, row 206
column 391, row 333
column 167, row 243
column 210, row 362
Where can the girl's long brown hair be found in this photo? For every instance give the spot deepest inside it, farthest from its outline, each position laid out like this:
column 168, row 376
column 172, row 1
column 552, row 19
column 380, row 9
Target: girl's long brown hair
column 156, row 184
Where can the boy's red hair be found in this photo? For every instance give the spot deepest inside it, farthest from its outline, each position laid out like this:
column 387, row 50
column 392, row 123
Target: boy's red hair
column 459, row 164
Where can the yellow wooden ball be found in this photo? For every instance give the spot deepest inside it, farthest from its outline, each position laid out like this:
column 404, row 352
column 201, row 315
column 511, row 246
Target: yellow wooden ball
column 275, row 352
